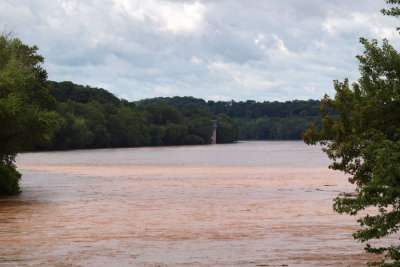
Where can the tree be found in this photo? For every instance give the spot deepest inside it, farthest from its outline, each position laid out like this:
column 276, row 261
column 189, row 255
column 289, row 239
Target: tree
column 363, row 140
column 24, row 102
column 199, row 125
column 227, row 130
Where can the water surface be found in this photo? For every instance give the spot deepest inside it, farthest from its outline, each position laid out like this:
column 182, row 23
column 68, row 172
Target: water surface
column 247, row 204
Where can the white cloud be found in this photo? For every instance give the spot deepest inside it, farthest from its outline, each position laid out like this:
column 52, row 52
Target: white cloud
column 243, row 76
column 10, row 13
column 173, row 17
column 184, row 17
column 262, row 50
column 164, row 90
column 219, row 98
column 69, row 6
column 280, row 45
column 348, row 23
column 196, row 60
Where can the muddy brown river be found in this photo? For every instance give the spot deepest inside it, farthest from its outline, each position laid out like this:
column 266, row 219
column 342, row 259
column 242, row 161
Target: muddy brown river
column 244, row 204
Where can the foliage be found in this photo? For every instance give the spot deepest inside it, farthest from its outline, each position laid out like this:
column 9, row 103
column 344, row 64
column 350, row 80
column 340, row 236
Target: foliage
column 227, row 130
column 393, row 11
column 64, row 91
column 363, row 141
column 199, row 125
column 24, row 103
column 255, row 120
column 275, row 128
column 9, row 179
column 93, row 118
column 179, row 103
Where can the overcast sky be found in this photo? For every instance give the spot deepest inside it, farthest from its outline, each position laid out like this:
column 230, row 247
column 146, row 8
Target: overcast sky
column 219, row 50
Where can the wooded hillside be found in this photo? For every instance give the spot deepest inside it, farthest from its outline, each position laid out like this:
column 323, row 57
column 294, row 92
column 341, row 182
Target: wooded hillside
column 256, row 120
column 94, row 118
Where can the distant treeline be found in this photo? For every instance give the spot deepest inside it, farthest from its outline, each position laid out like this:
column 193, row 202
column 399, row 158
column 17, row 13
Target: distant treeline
column 95, row 118
column 256, row 120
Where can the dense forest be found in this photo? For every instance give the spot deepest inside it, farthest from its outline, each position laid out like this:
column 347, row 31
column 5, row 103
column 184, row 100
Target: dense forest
column 95, row 118
column 256, row 120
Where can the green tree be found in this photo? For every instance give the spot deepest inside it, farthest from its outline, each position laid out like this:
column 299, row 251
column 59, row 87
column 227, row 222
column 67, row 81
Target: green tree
column 162, row 114
column 363, row 140
column 199, row 125
column 24, row 102
column 72, row 133
column 174, row 134
column 227, row 131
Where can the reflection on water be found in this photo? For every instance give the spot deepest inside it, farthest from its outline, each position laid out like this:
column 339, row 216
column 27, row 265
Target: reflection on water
column 248, row 204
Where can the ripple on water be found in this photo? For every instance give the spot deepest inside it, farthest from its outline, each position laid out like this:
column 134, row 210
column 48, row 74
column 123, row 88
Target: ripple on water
column 247, row 204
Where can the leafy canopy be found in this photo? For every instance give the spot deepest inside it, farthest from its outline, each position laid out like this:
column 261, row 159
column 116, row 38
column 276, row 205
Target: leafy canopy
column 24, row 100
column 363, row 140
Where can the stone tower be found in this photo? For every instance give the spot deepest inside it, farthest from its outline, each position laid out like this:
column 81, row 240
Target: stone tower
column 214, row 135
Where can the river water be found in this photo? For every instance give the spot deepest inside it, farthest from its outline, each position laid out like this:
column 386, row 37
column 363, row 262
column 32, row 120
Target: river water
column 244, row 204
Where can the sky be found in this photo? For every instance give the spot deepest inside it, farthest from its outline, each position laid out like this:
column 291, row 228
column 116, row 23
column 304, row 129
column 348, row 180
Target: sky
column 262, row 50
